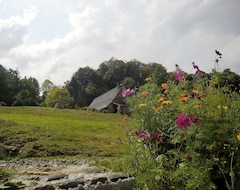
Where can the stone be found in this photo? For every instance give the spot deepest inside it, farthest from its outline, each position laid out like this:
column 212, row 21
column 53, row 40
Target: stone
column 46, row 187
column 116, row 177
column 3, row 152
column 72, row 183
column 126, row 184
column 97, row 179
column 56, row 177
column 65, row 176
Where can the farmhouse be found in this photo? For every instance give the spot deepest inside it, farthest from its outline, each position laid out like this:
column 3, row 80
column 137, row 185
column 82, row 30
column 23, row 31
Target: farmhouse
column 111, row 101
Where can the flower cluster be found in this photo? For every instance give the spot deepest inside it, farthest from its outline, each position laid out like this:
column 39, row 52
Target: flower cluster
column 198, row 72
column 145, row 135
column 127, row 92
column 188, row 128
column 179, row 74
column 183, row 121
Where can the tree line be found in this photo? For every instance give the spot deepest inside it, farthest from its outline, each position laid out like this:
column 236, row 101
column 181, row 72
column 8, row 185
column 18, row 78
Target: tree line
column 87, row 83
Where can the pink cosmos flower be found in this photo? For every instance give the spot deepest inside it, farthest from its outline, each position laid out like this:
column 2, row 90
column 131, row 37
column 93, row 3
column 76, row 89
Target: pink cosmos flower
column 198, row 72
column 143, row 134
column 158, row 137
column 179, row 75
column 194, row 119
column 189, row 158
column 182, row 121
column 127, row 92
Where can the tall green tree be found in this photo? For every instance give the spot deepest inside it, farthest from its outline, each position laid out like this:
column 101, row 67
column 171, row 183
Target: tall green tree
column 28, row 94
column 9, row 82
column 116, row 71
column 59, row 95
column 85, row 84
column 155, row 70
column 227, row 77
column 134, row 71
column 46, row 87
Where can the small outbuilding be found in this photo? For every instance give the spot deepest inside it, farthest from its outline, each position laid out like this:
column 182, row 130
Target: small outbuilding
column 111, row 101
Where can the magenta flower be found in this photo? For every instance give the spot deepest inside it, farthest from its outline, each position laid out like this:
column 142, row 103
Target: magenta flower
column 127, row 92
column 194, row 119
column 218, row 53
column 179, row 75
column 143, row 134
column 198, row 72
column 158, row 137
column 182, row 121
column 189, row 158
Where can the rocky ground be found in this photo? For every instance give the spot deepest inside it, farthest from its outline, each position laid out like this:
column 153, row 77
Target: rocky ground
column 63, row 174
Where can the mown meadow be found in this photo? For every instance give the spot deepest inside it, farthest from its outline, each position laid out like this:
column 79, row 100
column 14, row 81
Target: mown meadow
column 49, row 132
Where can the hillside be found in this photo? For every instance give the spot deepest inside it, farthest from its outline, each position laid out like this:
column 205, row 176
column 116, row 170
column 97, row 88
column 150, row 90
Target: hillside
column 44, row 132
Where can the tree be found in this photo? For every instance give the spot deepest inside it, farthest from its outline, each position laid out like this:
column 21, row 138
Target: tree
column 231, row 79
column 28, row 94
column 112, row 72
column 46, row 87
column 85, row 84
column 134, row 71
column 59, row 96
column 9, row 82
column 129, row 82
column 115, row 71
column 155, row 70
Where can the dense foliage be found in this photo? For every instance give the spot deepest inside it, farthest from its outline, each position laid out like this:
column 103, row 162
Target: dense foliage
column 59, row 97
column 87, row 83
column 28, row 93
column 186, row 133
column 9, row 80
column 16, row 91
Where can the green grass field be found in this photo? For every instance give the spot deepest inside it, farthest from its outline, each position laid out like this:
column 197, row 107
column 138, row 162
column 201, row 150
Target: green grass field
column 47, row 132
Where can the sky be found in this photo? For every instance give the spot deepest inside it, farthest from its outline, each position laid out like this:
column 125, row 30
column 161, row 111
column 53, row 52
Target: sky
column 52, row 39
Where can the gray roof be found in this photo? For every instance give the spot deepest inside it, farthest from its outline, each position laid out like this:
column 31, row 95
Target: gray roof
column 103, row 101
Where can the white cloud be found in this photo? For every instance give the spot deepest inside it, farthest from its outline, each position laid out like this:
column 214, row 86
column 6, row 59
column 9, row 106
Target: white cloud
column 230, row 57
column 14, row 29
column 83, row 19
column 56, row 38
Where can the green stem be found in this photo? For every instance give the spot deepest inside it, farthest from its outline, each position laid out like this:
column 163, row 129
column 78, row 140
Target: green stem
column 225, row 179
column 231, row 171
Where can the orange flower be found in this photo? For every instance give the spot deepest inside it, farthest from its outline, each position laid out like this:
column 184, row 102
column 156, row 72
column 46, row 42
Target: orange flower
column 164, row 85
column 144, row 93
column 238, row 137
column 199, row 97
column 155, row 109
column 165, row 91
column 184, row 95
column 166, row 102
column 195, row 91
column 147, row 79
column 183, row 99
column 160, row 99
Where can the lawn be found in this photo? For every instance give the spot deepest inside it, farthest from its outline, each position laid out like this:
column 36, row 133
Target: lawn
column 45, row 132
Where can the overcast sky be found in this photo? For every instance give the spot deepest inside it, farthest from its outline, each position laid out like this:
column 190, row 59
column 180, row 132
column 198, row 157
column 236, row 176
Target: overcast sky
column 52, row 39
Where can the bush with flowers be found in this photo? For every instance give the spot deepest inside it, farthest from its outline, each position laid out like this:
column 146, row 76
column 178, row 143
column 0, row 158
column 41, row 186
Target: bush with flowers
column 185, row 133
